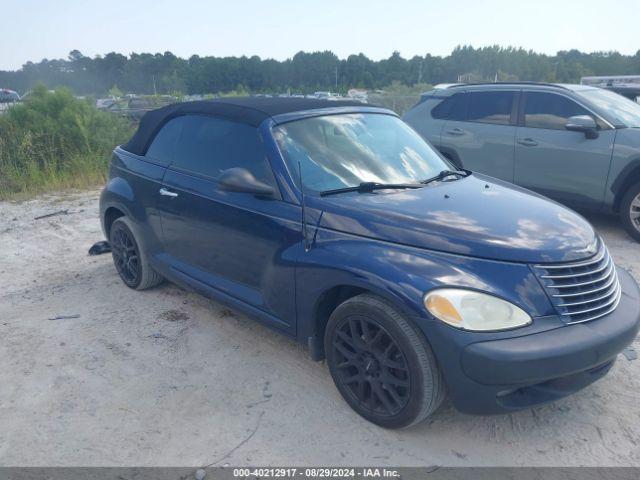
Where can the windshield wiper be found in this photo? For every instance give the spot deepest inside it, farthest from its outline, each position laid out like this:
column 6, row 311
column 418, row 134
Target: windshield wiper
column 446, row 173
column 367, row 187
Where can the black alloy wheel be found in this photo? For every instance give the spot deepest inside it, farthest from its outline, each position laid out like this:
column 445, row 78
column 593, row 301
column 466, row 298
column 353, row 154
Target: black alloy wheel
column 126, row 255
column 382, row 365
column 371, row 366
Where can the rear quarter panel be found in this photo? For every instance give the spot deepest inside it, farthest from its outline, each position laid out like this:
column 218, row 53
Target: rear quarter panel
column 132, row 188
column 420, row 119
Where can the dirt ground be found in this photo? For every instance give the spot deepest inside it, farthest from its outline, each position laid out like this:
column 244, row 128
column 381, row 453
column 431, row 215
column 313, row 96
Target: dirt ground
column 169, row 378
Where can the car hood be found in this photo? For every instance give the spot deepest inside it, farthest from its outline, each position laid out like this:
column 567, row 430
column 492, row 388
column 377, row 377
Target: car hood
column 478, row 216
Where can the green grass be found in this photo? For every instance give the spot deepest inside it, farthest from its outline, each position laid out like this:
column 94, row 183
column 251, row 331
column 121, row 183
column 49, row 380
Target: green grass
column 54, row 141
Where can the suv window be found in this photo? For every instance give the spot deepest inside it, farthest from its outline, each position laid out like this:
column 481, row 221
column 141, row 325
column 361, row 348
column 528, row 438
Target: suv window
column 490, row 107
column 162, row 148
column 209, row 145
column 549, row 110
column 451, row 108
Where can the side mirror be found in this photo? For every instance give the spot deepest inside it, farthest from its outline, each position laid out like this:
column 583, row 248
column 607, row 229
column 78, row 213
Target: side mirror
column 242, row 180
column 584, row 124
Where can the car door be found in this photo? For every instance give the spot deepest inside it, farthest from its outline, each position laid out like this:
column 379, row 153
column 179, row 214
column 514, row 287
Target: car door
column 561, row 164
column 240, row 245
column 481, row 132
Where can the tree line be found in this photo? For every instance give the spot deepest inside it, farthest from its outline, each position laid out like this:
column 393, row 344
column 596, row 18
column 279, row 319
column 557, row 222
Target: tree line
column 165, row 73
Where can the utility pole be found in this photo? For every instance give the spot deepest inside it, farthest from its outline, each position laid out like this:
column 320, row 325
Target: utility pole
column 336, row 71
column 153, row 77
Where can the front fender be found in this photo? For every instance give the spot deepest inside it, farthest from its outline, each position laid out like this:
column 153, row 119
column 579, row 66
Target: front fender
column 625, row 166
column 402, row 275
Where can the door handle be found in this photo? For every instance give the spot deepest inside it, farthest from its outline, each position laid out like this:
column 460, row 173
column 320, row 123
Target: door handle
column 527, row 142
column 167, row 193
column 455, row 131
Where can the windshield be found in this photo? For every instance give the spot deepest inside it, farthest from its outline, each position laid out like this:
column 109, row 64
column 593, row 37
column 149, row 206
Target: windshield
column 625, row 111
column 338, row 151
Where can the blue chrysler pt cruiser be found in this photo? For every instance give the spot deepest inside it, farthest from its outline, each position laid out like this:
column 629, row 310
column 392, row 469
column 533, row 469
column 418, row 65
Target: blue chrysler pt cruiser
column 335, row 223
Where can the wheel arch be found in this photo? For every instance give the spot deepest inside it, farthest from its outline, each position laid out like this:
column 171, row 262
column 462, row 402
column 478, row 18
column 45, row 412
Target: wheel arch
column 627, row 178
column 330, row 299
column 111, row 214
column 118, row 200
column 326, row 303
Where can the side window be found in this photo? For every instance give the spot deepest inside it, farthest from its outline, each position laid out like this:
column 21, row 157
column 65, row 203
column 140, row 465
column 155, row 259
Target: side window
column 451, row 108
column 209, row 145
column 548, row 110
column 163, row 146
column 490, row 107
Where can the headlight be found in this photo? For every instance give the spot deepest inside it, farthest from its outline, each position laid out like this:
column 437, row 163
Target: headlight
column 469, row 310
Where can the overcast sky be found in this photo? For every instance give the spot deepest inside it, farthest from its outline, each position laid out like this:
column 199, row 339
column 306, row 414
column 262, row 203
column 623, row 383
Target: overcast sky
column 31, row 30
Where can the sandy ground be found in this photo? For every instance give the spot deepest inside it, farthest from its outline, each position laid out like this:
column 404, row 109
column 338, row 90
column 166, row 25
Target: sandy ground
column 169, row 378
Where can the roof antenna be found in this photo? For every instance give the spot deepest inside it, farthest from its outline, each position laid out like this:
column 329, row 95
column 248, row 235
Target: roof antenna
column 305, row 237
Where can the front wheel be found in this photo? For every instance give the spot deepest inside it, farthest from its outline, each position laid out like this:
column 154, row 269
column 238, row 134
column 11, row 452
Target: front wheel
column 381, row 365
column 630, row 211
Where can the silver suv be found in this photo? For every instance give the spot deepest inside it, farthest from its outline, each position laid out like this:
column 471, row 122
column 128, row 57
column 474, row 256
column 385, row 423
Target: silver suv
column 579, row 145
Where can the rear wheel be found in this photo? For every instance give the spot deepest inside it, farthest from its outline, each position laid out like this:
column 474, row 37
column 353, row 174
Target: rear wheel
column 381, row 365
column 630, row 211
column 130, row 258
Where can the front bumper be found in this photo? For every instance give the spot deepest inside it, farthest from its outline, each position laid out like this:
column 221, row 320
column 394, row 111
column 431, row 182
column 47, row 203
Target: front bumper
column 505, row 374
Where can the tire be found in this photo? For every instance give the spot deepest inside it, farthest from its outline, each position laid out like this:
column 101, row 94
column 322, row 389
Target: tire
column 381, row 365
column 630, row 211
column 130, row 257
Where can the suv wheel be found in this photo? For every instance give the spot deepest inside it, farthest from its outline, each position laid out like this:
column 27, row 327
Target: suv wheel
column 381, row 365
column 630, row 211
column 130, row 258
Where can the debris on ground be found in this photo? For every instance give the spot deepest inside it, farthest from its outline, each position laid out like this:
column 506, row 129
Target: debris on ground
column 266, row 396
column 630, row 353
column 246, row 439
column 99, row 248
column 65, row 317
column 59, row 212
column 173, row 316
column 266, row 390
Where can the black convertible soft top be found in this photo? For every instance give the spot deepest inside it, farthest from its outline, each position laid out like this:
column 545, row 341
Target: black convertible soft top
column 249, row 110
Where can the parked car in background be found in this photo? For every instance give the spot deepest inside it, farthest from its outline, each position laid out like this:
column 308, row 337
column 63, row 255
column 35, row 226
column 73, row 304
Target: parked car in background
column 105, row 103
column 358, row 94
column 8, row 96
column 132, row 106
column 632, row 92
column 327, row 95
column 577, row 144
column 336, row 224
column 625, row 85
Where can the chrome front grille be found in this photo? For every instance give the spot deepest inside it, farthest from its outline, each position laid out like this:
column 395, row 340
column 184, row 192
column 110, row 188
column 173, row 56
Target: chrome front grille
column 582, row 291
